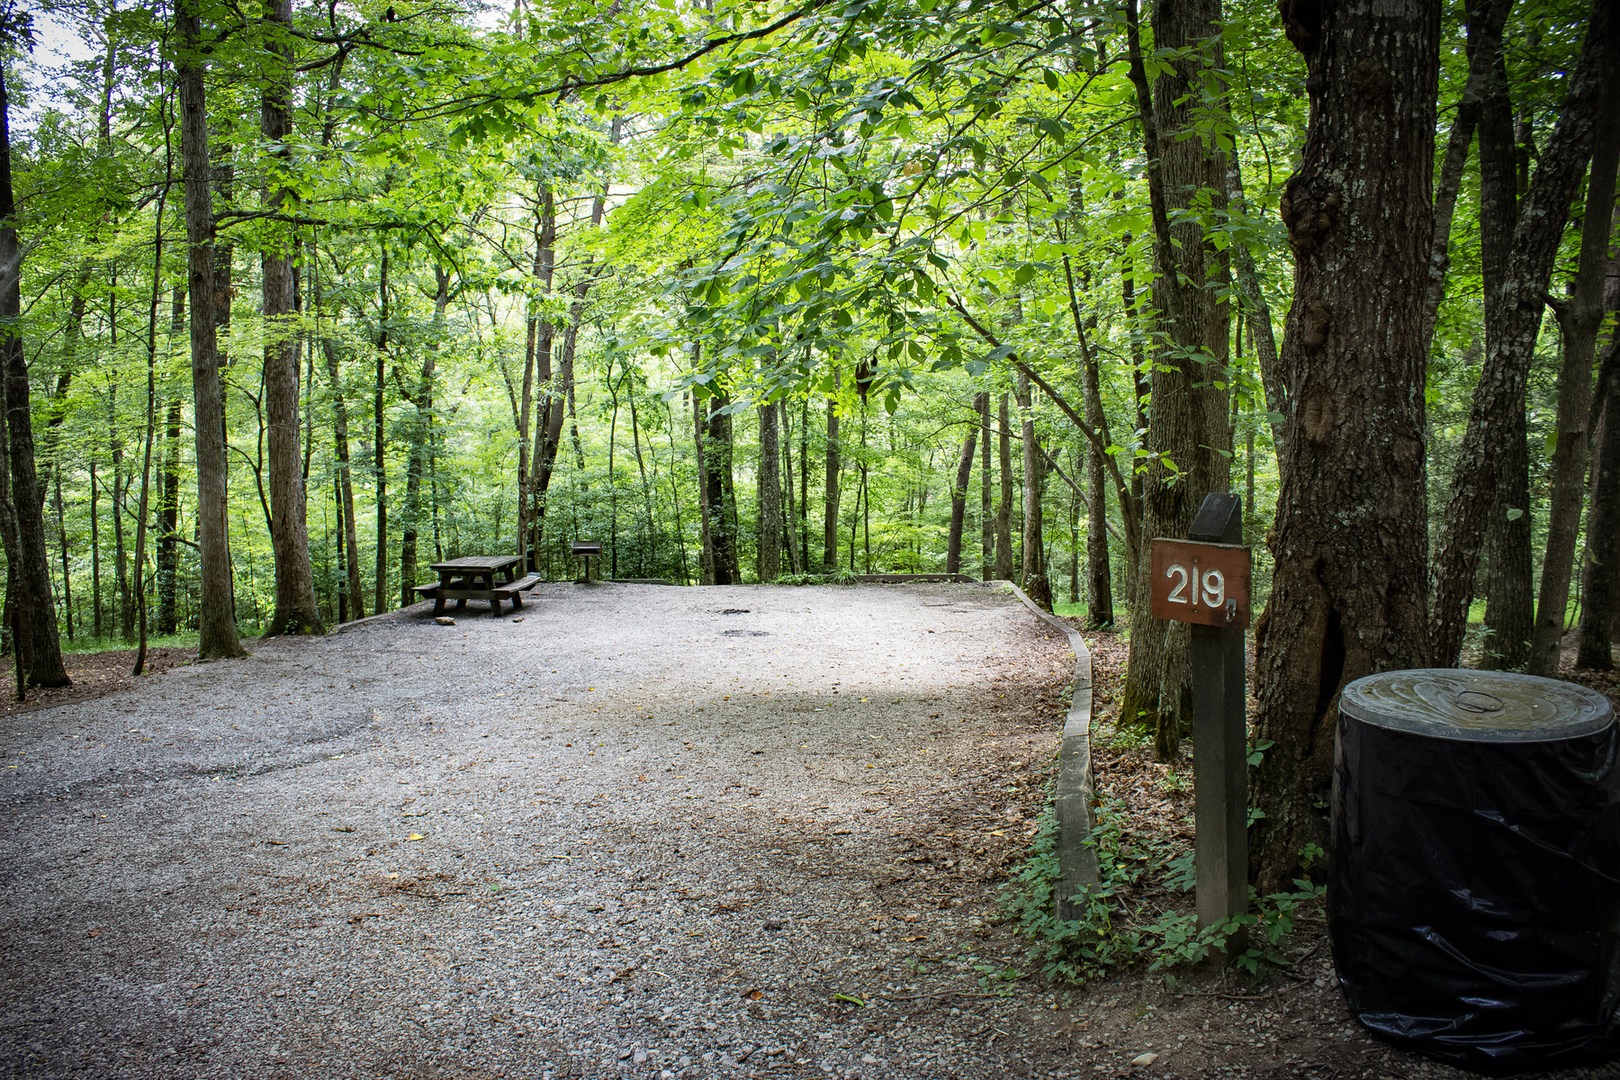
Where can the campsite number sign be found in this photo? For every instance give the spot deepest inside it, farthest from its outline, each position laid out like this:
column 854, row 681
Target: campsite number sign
column 1200, row 583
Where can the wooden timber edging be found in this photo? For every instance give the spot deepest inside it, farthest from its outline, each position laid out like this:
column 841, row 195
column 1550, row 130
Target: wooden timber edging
column 906, row 579
column 1077, row 860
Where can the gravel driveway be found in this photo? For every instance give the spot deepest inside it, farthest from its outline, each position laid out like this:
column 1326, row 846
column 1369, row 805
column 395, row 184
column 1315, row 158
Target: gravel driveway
column 634, row 831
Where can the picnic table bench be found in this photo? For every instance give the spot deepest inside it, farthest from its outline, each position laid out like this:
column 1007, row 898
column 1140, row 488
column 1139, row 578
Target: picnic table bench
column 478, row 577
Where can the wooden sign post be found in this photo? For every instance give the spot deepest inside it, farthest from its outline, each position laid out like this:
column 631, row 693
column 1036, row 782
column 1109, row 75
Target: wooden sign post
column 1204, row 581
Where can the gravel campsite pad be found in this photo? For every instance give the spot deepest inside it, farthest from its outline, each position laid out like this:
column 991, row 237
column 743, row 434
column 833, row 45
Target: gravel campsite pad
column 629, row 831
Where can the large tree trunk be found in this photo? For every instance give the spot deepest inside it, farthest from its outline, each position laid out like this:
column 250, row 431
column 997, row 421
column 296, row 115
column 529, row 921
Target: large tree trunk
column 1515, row 309
column 38, row 648
column 168, row 513
column 964, row 473
column 421, row 435
column 1579, row 319
column 1348, row 589
column 216, row 624
column 1188, row 424
column 296, row 611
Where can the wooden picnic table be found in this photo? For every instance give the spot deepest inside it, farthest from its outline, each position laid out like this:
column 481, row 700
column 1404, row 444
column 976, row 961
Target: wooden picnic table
column 478, row 577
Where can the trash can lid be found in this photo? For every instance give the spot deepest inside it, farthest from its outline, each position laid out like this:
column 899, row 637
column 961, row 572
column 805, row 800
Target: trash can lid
column 1476, row 706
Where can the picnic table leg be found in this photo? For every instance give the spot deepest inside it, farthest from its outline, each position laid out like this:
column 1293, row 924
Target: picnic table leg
column 438, row 605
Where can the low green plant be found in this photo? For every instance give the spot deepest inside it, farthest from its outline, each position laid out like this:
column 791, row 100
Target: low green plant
column 831, row 577
column 1122, row 919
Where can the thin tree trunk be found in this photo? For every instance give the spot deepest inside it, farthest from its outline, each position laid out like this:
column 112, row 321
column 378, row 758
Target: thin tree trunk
column 705, row 510
column 717, row 453
column 770, row 493
column 1600, row 579
column 421, row 436
column 1486, row 19
column 120, row 485
column 1004, row 549
column 790, row 510
column 1516, row 308
column 168, row 544
column 95, row 552
column 1188, row 424
column 379, row 436
column 1257, row 316
column 959, row 490
column 987, row 516
column 1508, row 614
column 1033, row 579
column 646, row 528
column 1099, row 569
column 548, row 408
column 829, row 517
column 1580, row 319
column 154, row 298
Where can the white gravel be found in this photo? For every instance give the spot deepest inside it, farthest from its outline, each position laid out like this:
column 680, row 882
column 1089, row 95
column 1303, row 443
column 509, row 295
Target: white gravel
column 634, row 831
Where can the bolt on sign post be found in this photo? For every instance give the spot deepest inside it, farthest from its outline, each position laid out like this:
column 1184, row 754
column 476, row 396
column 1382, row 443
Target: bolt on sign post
column 1204, row 580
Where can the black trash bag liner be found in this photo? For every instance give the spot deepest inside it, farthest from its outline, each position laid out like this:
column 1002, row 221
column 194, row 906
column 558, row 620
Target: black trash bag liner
column 1474, row 892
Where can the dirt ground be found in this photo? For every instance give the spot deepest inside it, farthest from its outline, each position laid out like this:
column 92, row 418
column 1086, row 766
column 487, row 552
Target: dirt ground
column 629, row 831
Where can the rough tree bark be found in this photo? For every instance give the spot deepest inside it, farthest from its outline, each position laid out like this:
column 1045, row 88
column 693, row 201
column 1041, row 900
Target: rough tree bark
column 22, row 521
column 296, row 611
column 1188, row 423
column 1349, row 586
column 717, row 487
column 216, row 619
column 1508, row 612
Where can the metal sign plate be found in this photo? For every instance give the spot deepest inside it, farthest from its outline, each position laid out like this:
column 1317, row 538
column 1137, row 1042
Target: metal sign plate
column 1200, row 583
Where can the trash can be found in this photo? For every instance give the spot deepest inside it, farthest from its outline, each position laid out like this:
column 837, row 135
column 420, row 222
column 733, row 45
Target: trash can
column 1474, row 892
